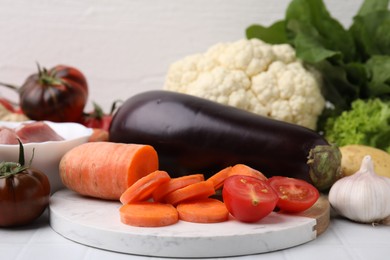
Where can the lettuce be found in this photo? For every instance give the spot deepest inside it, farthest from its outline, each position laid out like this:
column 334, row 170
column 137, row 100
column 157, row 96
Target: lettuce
column 367, row 123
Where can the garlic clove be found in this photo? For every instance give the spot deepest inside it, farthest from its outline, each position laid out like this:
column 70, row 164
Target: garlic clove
column 362, row 197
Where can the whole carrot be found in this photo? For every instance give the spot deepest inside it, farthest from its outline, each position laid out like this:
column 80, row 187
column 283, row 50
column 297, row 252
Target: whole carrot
column 104, row 169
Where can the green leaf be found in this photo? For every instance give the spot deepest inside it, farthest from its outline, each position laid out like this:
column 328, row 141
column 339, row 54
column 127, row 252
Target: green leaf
column 369, row 6
column 309, row 44
column 275, row 34
column 372, row 34
column 337, row 87
column 356, row 74
column 378, row 69
column 323, row 29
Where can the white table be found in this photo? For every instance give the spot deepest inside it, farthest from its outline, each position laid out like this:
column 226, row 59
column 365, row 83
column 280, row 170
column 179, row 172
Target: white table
column 342, row 240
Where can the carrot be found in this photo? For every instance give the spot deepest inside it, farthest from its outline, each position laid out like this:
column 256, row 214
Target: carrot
column 242, row 169
column 218, row 178
column 148, row 214
column 142, row 189
column 198, row 190
column 175, row 184
column 203, row 211
column 104, row 169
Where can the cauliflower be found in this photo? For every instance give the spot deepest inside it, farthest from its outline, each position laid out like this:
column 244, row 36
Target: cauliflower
column 255, row 76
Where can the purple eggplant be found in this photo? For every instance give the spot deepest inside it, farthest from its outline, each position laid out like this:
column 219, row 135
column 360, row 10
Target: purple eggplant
column 195, row 135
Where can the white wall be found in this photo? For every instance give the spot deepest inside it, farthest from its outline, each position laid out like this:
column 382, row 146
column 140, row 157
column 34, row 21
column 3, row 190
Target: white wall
column 125, row 46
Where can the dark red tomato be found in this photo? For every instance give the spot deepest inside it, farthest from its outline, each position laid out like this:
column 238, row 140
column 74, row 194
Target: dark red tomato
column 24, row 194
column 295, row 195
column 57, row 95
column 247, row 198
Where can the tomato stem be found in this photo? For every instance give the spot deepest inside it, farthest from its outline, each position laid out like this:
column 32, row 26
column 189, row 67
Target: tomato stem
column 11, row 168
column 13, row 87
column 47, row 78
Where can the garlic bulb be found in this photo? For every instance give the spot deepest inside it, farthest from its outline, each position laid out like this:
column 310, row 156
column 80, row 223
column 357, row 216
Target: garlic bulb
column 362, row 197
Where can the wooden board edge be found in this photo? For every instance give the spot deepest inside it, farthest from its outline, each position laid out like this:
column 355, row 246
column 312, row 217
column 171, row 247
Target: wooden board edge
column 320, row 211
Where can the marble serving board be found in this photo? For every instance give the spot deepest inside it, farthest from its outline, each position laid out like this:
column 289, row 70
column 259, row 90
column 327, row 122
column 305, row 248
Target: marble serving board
column 96, row 223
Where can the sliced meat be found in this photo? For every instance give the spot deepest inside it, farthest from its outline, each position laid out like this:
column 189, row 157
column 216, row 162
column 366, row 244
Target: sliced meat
column 8, row 136
column 37, row 132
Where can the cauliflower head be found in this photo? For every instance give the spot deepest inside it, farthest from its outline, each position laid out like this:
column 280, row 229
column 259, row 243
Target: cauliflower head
column 255, row 76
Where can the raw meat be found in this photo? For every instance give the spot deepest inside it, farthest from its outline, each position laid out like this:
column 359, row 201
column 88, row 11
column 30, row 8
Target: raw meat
column 35, row 132
column 8, row 136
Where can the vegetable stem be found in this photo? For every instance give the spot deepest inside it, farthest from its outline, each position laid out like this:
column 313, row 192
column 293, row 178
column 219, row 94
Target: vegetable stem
column 324, row 162
column 10, row 86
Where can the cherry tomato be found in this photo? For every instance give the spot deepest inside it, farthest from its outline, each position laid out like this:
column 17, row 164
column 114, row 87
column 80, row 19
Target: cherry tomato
column 247, row 198
column 24, row 193
column 295, row 195
column 57, row 95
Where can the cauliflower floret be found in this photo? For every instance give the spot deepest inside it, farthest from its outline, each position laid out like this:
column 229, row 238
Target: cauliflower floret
column 252, row 75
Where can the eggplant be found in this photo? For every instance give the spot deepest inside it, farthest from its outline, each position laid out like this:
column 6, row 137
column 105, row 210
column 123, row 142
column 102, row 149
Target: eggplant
column 195, row 135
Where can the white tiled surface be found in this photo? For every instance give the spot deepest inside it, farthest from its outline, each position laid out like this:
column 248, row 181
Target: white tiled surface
column 342, row 240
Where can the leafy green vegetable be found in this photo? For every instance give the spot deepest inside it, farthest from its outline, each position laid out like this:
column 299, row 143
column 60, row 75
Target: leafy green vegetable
column 354, row 62
column 275, row 34
column 367, row 123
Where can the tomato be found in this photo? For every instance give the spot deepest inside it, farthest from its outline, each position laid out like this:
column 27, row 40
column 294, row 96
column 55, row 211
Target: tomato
column 57, row 95
column 102, row 122
column 24, row 194
column 97, row 118
column 295, row 195
column 247, row 198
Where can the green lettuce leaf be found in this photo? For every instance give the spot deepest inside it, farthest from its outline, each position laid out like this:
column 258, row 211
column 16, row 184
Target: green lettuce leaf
column 367, row 123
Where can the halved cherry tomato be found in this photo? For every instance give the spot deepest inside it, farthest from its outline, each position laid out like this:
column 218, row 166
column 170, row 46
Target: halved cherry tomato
column 295, row 195
column 247, row 198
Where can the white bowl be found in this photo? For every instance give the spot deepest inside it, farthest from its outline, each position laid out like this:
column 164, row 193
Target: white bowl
column 47, row 155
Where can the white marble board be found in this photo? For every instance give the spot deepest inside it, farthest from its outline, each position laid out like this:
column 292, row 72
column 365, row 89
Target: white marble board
column 96, row 223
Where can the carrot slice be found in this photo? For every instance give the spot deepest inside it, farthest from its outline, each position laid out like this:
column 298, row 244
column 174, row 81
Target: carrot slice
column 199, row 190
column 142, row 189
column 203, row 211
column 104, row 169
column 148, row 214
column 175, row 184
column 242, row 169
column 218, row 178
